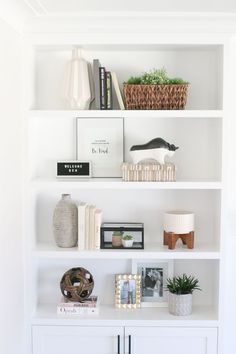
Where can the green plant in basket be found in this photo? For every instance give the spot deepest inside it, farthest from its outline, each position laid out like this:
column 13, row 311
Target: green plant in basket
column 181, row 285
column 155, row 90
column 155, row 77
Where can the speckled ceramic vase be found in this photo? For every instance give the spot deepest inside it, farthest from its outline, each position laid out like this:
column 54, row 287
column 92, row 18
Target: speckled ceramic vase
column 65, row 222
column 180, row 305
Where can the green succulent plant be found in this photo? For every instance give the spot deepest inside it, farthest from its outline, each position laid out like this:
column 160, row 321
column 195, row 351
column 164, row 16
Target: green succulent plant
column 127, row 237
column 155, row 77
column 182, row 285
column 117, row 233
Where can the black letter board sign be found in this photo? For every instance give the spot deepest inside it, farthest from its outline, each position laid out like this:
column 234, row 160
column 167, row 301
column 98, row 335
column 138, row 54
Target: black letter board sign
column 74, row 169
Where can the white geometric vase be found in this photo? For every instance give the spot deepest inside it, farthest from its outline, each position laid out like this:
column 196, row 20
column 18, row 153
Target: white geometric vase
column 180, row 305
column 78, row 92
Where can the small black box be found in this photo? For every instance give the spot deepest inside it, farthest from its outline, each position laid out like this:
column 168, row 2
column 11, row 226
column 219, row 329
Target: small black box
column 122, row 235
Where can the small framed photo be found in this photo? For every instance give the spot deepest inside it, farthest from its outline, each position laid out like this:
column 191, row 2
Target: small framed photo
column 153, row 281
column 101, row 141
column 127, row 290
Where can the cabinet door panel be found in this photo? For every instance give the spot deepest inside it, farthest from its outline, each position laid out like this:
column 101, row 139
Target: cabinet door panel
column 155, row 340
column 75, row 339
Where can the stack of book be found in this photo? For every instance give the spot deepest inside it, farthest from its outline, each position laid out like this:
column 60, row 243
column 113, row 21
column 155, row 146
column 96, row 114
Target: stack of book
column 87, row 307
column 89, row 225
column 106, row 88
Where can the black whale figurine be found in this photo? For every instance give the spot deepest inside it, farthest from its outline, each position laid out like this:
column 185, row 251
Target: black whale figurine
column 155, row 149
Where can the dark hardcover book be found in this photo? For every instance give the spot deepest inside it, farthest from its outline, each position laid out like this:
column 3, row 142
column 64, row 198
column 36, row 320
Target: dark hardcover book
column 102, row 80
column 109, row 90
column 96, row 79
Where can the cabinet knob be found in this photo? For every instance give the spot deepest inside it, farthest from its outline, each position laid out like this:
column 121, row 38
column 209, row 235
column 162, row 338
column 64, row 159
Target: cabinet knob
column 118, row 344
column 129, row 344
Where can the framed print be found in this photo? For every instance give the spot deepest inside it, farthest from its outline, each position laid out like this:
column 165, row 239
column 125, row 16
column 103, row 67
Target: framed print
column 127, row 291
column 101, row 141
column 153, row 281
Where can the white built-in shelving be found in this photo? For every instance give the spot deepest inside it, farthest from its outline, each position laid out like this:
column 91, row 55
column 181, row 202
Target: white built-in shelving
column 198, row 131
column 127, row 113
column 117, row 183
column 202, row 316
column 49, row 251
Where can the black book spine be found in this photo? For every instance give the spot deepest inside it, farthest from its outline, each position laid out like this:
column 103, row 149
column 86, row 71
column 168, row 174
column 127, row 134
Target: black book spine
column 102, row 80
column 109, row 90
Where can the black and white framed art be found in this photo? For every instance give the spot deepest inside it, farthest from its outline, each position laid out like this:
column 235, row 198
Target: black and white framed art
column 153, row 281
column 101, row 141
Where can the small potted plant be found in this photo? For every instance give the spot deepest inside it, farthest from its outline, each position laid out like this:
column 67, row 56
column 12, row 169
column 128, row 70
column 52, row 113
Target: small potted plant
column 155, row 90
column 117, row 238
column 127, row 241
column 180, row 294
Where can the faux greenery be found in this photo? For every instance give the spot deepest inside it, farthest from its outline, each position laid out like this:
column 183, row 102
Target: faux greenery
column 183, row 284
column 155, row 77
column 127, row 237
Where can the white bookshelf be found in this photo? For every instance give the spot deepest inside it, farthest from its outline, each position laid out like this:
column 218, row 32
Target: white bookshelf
column 50, row 251
column 135, row 114
column 200, row 186
column 117, row 183
column 202, row 316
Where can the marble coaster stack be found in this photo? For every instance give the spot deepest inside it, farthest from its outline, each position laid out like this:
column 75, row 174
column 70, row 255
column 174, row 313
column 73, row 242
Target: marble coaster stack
column 148, row 172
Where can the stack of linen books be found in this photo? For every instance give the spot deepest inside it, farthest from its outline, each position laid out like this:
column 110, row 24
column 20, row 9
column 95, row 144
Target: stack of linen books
column 87, row 307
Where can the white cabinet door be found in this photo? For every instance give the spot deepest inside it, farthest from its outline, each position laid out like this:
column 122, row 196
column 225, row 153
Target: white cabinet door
column 180, row 340
column 75, row 339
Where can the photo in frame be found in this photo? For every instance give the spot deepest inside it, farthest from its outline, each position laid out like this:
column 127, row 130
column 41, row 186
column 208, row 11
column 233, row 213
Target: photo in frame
column 127, row 291
column 101, row 141
column 153, row 281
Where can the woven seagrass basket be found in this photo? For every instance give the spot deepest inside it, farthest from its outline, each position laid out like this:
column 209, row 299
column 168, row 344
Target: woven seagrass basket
column 155, row 96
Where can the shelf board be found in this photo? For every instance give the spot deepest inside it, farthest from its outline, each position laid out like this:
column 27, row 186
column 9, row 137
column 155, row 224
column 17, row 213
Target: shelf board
column 128, row 113
column 45, row 251
column 201, row 316
column 117, row 183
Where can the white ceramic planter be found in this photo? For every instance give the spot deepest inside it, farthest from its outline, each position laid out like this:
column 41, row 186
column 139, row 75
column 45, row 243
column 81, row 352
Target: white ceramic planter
column 180, row 305
column 127, row 243
column 179, row 222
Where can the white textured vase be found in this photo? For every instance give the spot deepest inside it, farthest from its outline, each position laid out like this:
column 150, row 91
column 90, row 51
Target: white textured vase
column 78, row 91
column 180, row 305
column 65, row 222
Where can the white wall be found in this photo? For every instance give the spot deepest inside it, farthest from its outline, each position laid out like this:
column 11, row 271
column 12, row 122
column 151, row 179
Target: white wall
column 11, row 279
